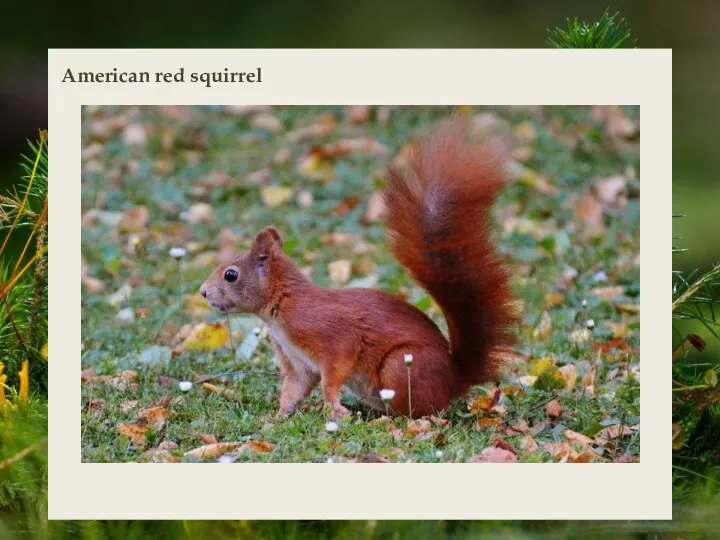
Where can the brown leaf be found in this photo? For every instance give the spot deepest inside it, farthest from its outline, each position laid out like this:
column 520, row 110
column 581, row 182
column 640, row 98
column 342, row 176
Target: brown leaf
column 229, row 394
column 257, row 447
column 419, row 428
column 528, row 445
column 578, row 438
column 608, row 293
column 499, row 442
column 87, row 374
column 553, row 409
column 518, row 426
column 153, row 416
column 589, row 212
column 134, row 432
column 207, row 438
column 490, row 422
column 493, row 454
column 213, row 450
column 134, row 220
column 612, row 432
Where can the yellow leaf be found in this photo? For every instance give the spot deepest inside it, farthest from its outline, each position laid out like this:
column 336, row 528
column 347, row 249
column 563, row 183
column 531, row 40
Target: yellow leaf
column 206, row 337
column 544, row 327
column 541, row 365
column 44, row 351
column 274, row 196
column 314, row 166
column 554, row 298
column 229, row 394
column 23, row 375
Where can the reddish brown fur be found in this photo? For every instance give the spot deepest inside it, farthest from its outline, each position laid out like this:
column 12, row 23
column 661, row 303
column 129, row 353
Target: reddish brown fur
column 358, row 337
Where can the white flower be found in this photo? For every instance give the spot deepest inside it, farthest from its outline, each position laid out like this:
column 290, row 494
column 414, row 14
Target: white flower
column 330, row 460
column 386, row 394
column 408, row 359
column 256, row 331
column 590, row 323
column 177, row 252
column 584, row 303
column 438, row 453
column 331, row 427
column 185, row 386
column 226, row 458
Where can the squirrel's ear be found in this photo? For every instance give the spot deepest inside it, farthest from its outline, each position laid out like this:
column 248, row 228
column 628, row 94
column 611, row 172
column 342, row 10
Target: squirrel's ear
column 267, row 242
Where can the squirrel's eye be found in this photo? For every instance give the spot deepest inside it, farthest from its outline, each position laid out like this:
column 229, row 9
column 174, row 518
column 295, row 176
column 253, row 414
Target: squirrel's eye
column 230, row 275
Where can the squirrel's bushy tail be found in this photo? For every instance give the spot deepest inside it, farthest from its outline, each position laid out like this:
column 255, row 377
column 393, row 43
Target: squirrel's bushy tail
column 438, row 203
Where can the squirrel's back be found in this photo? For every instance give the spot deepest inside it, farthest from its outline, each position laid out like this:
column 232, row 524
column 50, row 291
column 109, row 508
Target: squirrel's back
column 438, row 203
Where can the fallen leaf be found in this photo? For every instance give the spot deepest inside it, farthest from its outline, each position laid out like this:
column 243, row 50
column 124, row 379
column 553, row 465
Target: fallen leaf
column 499, row 442
column 207, row 438
column 614, row 431
column 418, row 429
column 339, row 271
column 134, row 432
column 518, row 426
column 544, row 327
column 229, row 394
column 212, row 450
column 569, row 374
column 87, row 374
column 162, row 454
column 580, row 335
column 554, row 298
column 628, row 308
column 206, row 337
column 528, row 445
column 95, row 407
column 490, row 422
column 120, row 296
column 274, row 196
column 154, row 416
column 376, row 208
column 267, row 121
column 578, row 438
column 134, row 135
column 589, row 212
column 315, row 167
column 134, row 220
column 553, row 409
column 256, row 447
column 321, row 129
column 201, row 213
column 493, row 454
column 608, row 293
column 611, row 191
column 526, row 131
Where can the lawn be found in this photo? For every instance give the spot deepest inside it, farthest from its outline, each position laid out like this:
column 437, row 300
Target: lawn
column 205, row 179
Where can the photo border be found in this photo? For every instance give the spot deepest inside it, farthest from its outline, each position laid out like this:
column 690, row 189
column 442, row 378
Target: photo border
column 359, row 490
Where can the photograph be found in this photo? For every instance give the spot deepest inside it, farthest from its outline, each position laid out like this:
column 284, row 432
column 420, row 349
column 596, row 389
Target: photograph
column 370, row 284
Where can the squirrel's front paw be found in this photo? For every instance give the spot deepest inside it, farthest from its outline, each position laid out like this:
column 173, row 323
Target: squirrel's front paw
column 284, row 412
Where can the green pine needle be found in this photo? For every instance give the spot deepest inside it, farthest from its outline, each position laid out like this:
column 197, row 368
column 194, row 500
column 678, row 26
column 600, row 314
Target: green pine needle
column 607, row 33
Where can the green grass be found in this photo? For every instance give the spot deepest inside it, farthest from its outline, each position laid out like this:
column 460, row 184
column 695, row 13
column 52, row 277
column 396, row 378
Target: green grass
column 168, row 174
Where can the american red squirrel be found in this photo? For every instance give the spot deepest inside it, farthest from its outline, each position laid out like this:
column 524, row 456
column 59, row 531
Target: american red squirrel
column 437, row 204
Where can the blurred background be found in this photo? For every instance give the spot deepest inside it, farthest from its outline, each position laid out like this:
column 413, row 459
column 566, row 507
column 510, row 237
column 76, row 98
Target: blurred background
column 690, row 29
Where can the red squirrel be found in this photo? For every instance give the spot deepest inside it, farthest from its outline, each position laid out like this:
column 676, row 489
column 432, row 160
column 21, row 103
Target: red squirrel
column 437, row 207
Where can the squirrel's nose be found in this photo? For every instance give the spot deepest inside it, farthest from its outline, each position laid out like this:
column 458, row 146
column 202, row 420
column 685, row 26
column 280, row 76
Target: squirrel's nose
column 203, row 291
